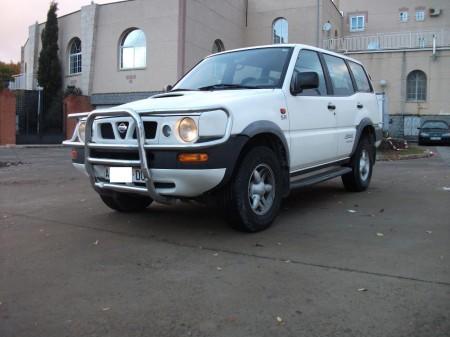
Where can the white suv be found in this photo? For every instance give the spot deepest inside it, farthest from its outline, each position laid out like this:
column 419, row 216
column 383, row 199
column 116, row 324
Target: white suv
column 243, row 127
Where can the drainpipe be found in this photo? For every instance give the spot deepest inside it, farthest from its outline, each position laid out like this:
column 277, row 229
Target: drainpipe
column 318, row 24
column 434, row 45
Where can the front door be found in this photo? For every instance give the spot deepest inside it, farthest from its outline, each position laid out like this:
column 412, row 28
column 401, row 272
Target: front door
column 312, row 118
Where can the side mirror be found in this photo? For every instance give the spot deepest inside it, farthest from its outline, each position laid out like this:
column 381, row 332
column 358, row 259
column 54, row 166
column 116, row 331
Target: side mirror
column 303, row 81
column 169, row 87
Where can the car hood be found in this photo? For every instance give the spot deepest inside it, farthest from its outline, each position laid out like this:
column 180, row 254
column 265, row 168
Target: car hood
column 435, row 130
column 194, row 100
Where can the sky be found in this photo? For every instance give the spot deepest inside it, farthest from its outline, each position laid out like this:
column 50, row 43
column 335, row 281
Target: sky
column 17, row 15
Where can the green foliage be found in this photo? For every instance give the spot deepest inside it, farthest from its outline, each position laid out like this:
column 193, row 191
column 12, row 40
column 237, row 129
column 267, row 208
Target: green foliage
column 72, row 90
column 49, row 71
column 6, row 72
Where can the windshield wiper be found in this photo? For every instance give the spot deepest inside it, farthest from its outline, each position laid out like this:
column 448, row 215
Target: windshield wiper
column 224, row 86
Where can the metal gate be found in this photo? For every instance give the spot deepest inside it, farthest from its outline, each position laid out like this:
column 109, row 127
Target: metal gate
column 30, row 126
column 410, row 125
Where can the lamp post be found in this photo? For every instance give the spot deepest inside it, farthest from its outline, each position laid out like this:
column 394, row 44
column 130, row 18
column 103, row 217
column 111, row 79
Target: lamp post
column 39, row 89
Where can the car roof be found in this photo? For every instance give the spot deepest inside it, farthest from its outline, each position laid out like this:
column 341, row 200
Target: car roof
column 290, row 45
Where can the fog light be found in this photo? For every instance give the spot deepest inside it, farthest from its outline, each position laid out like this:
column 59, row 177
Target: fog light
column 193, row 157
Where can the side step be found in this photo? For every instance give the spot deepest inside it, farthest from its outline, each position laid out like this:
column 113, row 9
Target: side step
column 314, row 179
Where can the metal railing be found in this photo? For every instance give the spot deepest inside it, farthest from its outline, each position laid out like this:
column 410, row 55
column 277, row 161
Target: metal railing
column 390, row 41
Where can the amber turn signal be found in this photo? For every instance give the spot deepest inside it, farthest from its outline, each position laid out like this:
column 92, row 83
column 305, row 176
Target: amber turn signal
column 193, row 157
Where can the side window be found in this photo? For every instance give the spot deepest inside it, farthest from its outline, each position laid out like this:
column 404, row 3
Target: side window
column 362, row 82
column 340, row 77
column 308, row 61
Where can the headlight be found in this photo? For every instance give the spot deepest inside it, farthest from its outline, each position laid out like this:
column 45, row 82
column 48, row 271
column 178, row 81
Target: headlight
column 446, row 135
column 81, row 131
column 424, row 134
column 187, row 130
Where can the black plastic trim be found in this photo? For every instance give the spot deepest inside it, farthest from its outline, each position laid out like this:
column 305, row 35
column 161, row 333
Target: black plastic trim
column 260, row 127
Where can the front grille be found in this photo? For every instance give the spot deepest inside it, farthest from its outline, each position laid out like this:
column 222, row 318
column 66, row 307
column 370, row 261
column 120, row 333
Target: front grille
column 150, row 130
column 106, row 131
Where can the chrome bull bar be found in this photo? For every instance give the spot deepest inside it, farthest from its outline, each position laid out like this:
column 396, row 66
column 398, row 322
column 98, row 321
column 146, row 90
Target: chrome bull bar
column 149, row 189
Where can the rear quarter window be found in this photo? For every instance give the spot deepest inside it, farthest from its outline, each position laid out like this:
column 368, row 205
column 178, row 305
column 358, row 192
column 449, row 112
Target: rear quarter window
column 362, row 82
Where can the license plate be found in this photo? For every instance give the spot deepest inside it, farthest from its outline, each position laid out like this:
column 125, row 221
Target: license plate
column 435, row 138
column 124, row 175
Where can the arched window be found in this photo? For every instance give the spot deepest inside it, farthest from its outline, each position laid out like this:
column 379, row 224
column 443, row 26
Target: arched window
column 280, row 31
column 218, row 46
column 75, row 56
column 416, row 86
column 133, row 50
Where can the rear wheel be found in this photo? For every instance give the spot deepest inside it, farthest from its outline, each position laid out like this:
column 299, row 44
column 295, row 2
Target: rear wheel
column 253, row 197
column 124, row 202
column 358, row 179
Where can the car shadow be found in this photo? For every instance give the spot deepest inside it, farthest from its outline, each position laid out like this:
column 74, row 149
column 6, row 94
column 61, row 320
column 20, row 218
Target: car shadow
column 192, row 219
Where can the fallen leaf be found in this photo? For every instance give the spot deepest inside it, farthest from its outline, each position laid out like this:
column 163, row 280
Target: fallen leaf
column 380, row 234
column 279, row 320
column 428, row 232
column 106, row 309
column 362, row 289
column 96, row 242
column 351, row 211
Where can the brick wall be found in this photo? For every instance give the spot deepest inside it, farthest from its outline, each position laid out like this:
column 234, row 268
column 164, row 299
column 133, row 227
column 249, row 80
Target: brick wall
column 74, row 104
column 7, row 117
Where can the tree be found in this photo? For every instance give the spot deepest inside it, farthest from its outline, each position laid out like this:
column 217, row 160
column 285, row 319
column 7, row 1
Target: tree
column 49, row 73
column 6, row 72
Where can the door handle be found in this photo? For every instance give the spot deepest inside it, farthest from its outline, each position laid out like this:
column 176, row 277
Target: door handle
column 331, row 106
column 359, row 106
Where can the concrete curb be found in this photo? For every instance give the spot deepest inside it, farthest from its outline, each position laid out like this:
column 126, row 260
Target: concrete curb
column 425, row 154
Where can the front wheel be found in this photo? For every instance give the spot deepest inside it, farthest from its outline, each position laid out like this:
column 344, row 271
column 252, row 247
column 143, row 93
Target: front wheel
column 124, row 202
column 358, row 179
column 253, row 197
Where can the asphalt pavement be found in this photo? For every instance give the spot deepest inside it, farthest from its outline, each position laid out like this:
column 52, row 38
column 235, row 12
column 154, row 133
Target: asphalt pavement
column 334, row 264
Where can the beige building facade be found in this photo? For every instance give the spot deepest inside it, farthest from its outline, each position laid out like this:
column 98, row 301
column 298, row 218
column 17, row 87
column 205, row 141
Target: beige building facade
column 127, row 50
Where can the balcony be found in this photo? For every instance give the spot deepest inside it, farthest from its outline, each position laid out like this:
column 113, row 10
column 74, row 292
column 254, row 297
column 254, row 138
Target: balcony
column 18, row 82
column 389, row 41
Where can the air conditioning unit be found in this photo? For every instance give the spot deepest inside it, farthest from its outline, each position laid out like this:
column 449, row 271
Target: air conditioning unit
column 435, row 11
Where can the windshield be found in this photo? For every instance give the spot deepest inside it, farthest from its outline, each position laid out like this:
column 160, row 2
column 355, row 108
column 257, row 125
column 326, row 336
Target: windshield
column 247, row 69
column 435, row 125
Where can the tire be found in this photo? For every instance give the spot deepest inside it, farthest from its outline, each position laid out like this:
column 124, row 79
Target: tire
column 358, row 179
column 124, row 202
column 243, row 204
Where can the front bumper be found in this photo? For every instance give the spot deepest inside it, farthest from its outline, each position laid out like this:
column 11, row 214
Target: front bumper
column 182, row 183
column 165, row 177
column 139, row 154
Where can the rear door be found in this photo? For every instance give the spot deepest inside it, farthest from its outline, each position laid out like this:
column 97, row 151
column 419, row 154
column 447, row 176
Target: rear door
column 312, row 123
column 345, row 102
